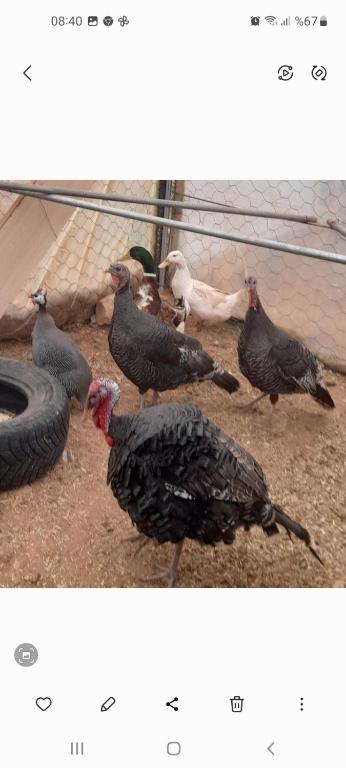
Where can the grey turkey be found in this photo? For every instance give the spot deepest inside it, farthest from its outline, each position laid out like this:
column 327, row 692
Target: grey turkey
column 54, row 350
column 272, row 361
column 180, row 477
column 150, row 353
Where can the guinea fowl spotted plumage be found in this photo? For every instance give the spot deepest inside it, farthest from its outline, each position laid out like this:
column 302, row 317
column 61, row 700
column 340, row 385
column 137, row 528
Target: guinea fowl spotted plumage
column 179, row 477
column 54, row 350
column 272, row 361
column 150, row 353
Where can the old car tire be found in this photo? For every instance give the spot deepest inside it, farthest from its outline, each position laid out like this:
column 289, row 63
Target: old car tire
column 32, row 441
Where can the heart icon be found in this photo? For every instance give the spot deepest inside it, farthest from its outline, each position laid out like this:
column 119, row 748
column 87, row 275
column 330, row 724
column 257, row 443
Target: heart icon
column 43, row 703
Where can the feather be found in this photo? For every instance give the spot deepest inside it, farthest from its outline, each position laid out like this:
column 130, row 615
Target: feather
column 272, row 361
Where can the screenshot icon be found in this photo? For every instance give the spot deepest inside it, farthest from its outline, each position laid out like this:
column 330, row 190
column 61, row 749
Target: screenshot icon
column 26, row 655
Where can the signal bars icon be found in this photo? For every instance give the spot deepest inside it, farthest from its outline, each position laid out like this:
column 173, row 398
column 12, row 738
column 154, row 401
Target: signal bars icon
column 273, row 21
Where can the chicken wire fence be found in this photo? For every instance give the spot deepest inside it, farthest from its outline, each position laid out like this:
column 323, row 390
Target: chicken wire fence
column 80, row 248
column 304, row 295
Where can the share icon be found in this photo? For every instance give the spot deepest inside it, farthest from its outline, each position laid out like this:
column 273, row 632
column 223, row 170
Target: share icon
column 170, row 704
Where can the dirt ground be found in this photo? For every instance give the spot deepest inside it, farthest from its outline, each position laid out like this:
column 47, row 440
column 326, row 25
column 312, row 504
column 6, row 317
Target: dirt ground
column 67, row 530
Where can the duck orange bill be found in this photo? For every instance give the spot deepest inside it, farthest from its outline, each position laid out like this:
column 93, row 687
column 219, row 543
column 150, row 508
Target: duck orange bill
column 164, row 264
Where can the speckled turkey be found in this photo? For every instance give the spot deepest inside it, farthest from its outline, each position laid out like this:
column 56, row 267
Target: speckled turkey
column 272, row 361
column 153, row 355
column 54, row 350
column 178, row 476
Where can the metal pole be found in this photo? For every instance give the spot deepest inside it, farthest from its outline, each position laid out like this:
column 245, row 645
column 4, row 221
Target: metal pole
column 334, row 224
column 166, row 232
column 26, row 188
column 234, row 237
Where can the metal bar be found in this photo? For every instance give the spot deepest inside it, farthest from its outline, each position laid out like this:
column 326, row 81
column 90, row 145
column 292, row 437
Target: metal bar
column 274, row 245
column 156, row 201
column 334, row 224
column 165, row 233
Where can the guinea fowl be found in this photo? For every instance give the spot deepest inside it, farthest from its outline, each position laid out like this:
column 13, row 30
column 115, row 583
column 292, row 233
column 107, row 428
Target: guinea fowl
column 150, row 353
column 179, row 477
column 54, row 350
column 272, row 361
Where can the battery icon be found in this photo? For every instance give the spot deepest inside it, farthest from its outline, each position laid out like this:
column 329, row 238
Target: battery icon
column 323, row 21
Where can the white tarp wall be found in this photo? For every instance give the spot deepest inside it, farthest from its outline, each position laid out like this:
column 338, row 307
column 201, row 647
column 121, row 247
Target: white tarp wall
column 66, row 250
column 301, row 294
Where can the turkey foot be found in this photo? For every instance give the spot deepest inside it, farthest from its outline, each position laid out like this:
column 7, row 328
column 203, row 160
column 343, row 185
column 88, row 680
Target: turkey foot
column 170, row 573
column 141, row 541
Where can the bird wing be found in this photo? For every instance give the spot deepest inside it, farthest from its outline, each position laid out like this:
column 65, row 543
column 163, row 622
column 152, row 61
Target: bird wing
column 295, row 361
column 161, row 343
column 190, row 456
column 209, row 293
column 220, row 469
column 56, row 351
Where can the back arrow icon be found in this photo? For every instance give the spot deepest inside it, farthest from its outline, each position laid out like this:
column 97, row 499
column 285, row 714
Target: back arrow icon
column 26, row 72
column 270, row 748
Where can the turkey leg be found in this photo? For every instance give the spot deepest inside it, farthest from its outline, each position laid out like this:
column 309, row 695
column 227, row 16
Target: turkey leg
column 170, row 573
column 248, row 406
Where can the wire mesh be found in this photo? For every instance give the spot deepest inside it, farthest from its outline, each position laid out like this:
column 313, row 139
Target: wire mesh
column 303, row 295
column 72, row 269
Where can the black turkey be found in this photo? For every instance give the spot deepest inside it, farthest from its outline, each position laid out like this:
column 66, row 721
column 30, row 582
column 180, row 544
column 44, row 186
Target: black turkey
column 151, row 354
column 54, row 350
column 178, row 476
column 272, row 361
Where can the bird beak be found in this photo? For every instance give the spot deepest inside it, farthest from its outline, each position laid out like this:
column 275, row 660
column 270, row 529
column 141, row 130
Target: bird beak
column 164, row 264
column 109, row 269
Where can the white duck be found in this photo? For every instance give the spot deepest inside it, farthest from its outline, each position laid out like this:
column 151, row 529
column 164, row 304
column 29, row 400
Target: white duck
column 205, row 302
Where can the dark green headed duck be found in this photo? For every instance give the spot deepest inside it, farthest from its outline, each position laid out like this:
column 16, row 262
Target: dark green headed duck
column 148, row 298
column 148, row 294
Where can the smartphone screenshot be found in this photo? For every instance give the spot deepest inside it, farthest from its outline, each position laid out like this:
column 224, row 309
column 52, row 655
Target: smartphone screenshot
column 172, row 384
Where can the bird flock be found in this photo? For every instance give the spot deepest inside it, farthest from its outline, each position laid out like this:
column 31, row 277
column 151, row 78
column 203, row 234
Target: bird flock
column 176, row 474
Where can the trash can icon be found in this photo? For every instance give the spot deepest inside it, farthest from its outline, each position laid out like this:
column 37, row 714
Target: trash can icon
column 237, row 704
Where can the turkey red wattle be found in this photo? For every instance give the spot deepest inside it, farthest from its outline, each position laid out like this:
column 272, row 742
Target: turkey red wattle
column 101, row 416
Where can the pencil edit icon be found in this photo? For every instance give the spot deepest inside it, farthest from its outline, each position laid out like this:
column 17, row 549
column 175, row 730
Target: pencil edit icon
column 108, row 704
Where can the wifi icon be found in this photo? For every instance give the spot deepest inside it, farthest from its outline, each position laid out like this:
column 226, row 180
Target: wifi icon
column 271, row 19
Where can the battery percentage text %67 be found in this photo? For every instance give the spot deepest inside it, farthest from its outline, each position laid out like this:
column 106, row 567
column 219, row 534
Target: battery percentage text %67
column 306, row 21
